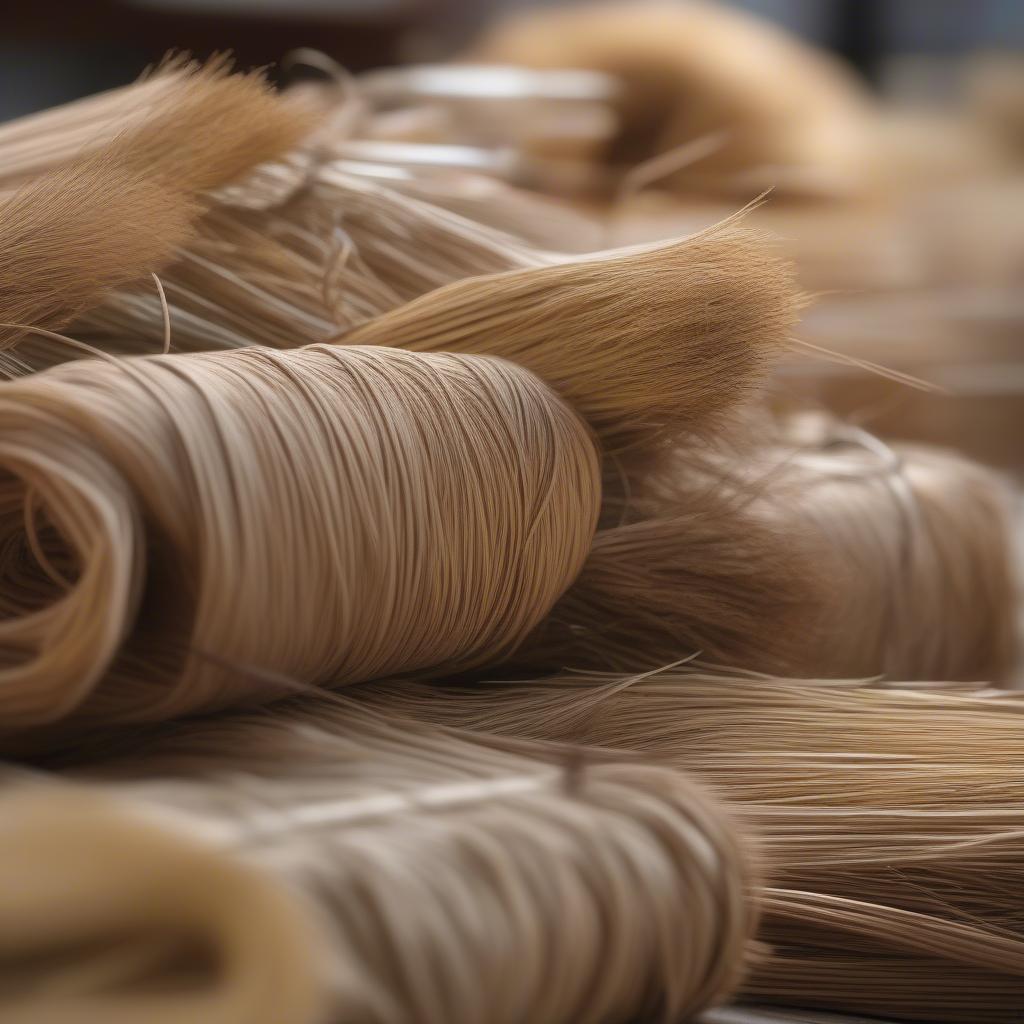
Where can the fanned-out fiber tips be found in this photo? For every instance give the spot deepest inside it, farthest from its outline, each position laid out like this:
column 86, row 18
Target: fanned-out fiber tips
column 120, row 209
column 646, row 343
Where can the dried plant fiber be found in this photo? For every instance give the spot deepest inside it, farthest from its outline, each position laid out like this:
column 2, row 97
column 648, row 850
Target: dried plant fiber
column 297, row 254
column 120, row 211
column 790, row 115
column 702, row 319
column 891, row 820
column 407, row 874
column 818, row 550
column 303, row 249
column 36, row 144
column 343, row 251
column 917, row 545
column 683, row 331
column 329, row 514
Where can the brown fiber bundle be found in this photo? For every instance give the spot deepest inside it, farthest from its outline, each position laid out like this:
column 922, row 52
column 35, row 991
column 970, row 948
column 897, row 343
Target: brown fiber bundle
column 347, row 250
column 291, row 867
column 892, row 819
column 120, row 211
column 162, row 517
column 817, row 551
column 788, row 115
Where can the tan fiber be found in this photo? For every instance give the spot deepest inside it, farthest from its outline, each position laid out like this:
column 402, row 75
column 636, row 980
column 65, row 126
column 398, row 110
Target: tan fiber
column 788, row 115
column 38, row 143
column 109, row 915
column 121, row 210
column 458, row 883
column 701, row 319
column 702, row 571
column 916, row 546
column 329, row 515
column 814, row 549
column 891, row 819
column 328, row 250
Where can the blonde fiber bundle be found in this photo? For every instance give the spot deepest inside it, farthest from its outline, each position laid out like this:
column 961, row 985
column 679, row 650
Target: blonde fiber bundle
column 112, row 916
column 890, row 819
column 328, row 515
column 917, row 545
column 698, row 322
column 437, row 880
column 122, row 209
column 326, row 252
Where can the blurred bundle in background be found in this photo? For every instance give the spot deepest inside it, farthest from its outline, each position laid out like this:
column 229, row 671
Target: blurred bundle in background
column 557, row 380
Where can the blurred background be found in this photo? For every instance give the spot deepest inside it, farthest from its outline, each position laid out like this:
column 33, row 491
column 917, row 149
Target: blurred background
column 55, row 50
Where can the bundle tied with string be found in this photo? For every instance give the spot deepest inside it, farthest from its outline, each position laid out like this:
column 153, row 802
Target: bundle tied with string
column 120, row 210
column 290, row 866
column 817, row 550
column 890, row 819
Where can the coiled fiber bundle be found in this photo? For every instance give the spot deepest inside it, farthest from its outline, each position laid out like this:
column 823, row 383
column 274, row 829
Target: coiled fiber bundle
column 891, row 820
column 329, row 514
column 283, row 867
column 790, row 115
column 819, row 552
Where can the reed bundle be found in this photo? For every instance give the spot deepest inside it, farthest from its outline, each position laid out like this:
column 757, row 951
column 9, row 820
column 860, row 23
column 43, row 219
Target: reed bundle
column 891, row 819
column 818, row 550
column 278, row 867
column 121, row 210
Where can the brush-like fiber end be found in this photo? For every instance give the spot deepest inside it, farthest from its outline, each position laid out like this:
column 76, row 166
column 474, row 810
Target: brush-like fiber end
column 119, row 211
column 215, row 126
column 646, row 343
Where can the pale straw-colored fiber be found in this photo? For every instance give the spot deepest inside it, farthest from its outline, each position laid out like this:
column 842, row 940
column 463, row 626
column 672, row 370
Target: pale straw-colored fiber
column 891, row 820
column 122, row 209
column 330, row 514
column 387, row 871
column 814, row 550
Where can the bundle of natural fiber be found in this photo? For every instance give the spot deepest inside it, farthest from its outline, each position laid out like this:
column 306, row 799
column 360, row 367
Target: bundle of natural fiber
column 121, row 210
column 789, row 116
column 288, row 867
column 816, row 551
column 718, row 305
column 332, row 514
column 891, row 819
